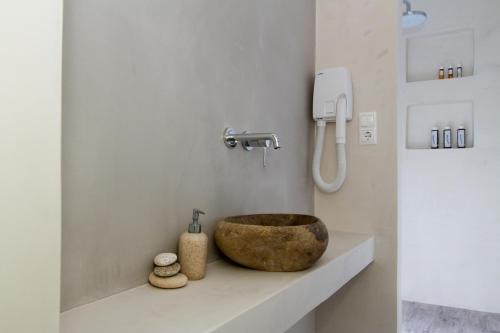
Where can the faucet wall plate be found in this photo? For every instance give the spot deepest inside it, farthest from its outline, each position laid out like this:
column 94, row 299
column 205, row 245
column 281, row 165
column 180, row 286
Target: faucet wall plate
column 229, row 143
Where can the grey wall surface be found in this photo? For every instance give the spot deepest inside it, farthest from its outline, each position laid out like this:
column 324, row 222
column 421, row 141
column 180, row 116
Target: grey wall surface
column 148, row 87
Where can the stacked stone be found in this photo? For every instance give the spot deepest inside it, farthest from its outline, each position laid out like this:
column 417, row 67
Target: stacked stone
column 166, row 272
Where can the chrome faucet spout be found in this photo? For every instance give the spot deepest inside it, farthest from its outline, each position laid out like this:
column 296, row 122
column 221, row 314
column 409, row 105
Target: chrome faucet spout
column 276, row 141
column 258, row 139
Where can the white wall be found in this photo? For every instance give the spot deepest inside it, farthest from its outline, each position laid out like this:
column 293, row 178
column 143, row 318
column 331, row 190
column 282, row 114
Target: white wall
column 449, row 202
column 30, row 67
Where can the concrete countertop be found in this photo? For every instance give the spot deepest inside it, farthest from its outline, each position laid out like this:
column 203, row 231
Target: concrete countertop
column 229, row 299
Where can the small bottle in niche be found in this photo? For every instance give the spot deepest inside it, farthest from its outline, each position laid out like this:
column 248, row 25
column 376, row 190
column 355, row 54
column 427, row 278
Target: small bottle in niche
column 441, row 73
column 434, row 138
column 461, row 137
column 447, row 137
column 459, row 70
column 450, row 72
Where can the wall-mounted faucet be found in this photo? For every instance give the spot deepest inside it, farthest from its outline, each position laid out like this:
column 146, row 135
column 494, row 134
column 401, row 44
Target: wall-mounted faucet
column 251, row 140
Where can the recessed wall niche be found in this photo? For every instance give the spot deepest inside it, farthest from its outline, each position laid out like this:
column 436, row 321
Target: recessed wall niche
column 425, row 54
column 421, row 118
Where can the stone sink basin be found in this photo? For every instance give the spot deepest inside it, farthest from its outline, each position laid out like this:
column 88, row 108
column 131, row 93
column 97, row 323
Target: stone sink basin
column 272, row 242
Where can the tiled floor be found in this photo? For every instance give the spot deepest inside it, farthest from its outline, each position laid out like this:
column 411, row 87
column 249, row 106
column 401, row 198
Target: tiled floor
column 425, row 318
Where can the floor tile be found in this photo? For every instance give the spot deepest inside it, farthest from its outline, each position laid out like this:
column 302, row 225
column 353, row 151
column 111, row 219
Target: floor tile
column 428, row 318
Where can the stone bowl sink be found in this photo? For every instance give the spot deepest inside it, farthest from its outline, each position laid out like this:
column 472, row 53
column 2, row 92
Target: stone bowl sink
column 272, row 242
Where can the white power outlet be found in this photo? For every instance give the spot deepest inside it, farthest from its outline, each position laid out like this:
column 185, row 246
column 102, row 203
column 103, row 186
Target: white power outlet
column 368, row 128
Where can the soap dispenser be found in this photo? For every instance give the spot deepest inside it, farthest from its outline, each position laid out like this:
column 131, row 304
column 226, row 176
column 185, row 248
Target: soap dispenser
column 193, row 248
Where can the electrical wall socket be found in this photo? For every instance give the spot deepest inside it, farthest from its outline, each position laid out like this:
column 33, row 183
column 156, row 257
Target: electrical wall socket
column 368, row 128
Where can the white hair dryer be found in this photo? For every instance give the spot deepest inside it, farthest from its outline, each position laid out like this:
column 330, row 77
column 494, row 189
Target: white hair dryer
column 332, row 103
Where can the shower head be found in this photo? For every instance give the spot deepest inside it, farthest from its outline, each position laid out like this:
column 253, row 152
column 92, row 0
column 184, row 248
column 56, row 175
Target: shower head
column 412, row 18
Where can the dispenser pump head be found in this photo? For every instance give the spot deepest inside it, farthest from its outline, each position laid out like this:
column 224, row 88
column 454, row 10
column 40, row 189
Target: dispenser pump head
column 195, row 226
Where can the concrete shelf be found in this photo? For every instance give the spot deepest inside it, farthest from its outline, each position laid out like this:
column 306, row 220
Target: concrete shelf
column 229, row 299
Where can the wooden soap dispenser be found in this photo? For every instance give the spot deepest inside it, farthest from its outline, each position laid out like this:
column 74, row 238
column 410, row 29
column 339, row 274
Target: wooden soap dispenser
column 193, row 249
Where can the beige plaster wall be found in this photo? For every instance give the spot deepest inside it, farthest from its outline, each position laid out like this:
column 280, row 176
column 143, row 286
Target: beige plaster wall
column 362, row 35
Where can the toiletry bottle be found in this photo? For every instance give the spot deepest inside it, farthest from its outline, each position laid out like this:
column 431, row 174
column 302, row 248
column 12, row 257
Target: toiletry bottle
column 447, row 137
column 450, row 72
column 441, row 73
column 459, row 70
column 434, row 138
column 461, row 137
column 193, row 248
